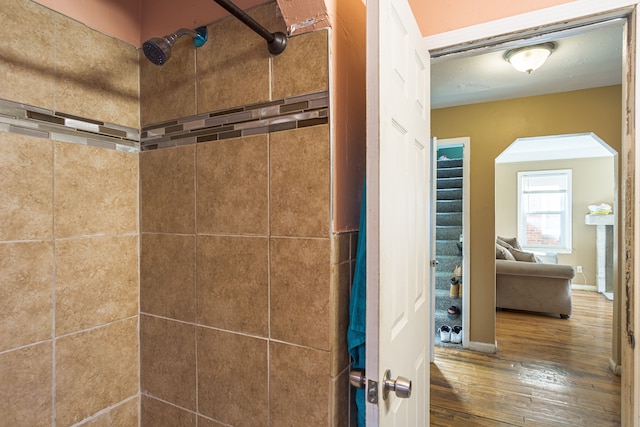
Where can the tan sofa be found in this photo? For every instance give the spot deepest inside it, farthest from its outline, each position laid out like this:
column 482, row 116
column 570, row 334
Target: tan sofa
column 532, row 286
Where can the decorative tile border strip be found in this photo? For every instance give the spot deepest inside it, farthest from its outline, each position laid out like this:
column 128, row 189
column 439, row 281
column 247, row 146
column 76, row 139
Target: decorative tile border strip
column 284, row 114
column 42, row 123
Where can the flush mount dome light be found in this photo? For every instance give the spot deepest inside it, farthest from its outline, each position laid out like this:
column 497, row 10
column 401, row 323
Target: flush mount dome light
column 529, row 58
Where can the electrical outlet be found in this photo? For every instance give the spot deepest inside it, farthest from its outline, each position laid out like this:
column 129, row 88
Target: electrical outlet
column 579, row 269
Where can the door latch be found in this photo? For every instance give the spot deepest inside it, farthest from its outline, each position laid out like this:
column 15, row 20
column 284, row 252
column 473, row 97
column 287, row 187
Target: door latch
column 358, row 380
column 401, row 386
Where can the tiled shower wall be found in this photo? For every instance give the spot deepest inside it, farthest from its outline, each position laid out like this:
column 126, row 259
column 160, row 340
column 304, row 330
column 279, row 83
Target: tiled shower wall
column 244, row 289
column 68, row 229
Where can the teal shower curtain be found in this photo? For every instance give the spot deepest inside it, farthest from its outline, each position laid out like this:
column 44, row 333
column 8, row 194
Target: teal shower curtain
column 356, row 334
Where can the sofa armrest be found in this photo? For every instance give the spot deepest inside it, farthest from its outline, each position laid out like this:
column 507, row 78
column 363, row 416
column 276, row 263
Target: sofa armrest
column 521, row 268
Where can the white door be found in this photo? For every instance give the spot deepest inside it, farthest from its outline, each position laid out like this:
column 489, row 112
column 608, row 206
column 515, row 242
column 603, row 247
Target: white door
column 398, row 210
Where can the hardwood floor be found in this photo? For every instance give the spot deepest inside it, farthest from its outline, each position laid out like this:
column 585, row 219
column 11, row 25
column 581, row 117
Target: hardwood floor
column 547, row 372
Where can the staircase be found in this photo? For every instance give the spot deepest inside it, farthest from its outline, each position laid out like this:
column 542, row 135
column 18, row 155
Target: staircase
column 448, row 232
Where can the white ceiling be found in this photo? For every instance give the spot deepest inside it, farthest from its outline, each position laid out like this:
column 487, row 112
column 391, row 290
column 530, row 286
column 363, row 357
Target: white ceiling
column 586, row 58
column 592, row 58
column 555, row 147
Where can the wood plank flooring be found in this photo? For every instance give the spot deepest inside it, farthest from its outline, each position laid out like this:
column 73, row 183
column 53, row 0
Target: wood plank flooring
column 547, row 372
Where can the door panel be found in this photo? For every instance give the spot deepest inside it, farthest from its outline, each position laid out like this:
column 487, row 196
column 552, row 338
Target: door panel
column 398, row 212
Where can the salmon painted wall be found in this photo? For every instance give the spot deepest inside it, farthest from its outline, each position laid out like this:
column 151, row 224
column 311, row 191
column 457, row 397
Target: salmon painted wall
column 348, row 64
column 136, row 21
column 440, row 16
column 117, row 18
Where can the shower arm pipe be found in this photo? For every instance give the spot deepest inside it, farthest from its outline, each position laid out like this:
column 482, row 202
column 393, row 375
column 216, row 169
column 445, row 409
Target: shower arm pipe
column 276, row 41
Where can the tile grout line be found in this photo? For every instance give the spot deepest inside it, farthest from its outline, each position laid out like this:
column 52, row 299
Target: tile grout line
column 195, row 276
column 53, row 284
column 269, row 279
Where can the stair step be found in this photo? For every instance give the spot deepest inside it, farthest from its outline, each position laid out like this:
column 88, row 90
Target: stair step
column 449, row 163
column 449, row 182
column 447, row 263
column 447, row 247
column 455, row 172
column 448, row 232
column 449, row 218
column 454, row 205
column 449, row 194
column 443, row 279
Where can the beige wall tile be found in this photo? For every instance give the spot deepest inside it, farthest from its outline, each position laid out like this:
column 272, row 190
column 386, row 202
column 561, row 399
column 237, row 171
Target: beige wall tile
column 340, row 296
column 123, row 415
column 234, row 66
column 232, row 377
column 300, row 182
column 233, row 283
column 169, row 91
column 95, row 369
column 340, row 400
column 96, row 281
column 168, row 276
column 303, row 67
column 167, row 190
column 168, row 360
column 233, row 186
column 299, row 393
column 26, row 287
column 26, row 188
column 205, row 422
column 96, row 75
column 96, row 191
column 27, row 67
column 300, row 304
column 25, row 390
column 340, row 247
column 154, row 413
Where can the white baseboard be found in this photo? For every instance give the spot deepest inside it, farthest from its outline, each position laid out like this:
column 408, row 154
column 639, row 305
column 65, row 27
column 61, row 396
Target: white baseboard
column 483, row 347
column 614, row 367
column 577, row 287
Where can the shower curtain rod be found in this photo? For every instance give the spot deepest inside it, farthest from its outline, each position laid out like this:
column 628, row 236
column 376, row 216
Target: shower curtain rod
column 276, row 41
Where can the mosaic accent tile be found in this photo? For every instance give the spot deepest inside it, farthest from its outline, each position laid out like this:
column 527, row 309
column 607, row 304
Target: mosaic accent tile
column 274, row 116
column 279, row 115
column 58, row 126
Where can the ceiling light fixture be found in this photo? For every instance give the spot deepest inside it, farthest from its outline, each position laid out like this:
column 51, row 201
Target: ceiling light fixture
column 529, row 58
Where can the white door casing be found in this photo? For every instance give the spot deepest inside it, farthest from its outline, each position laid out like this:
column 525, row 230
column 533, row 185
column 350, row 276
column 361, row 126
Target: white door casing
column 398, row 210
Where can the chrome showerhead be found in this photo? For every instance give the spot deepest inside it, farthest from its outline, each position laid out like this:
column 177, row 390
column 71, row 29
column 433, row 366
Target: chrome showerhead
column 158, row 49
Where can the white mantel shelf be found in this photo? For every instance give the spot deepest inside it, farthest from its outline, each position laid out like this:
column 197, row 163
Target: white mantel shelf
column 591, row 219
column 604, row 250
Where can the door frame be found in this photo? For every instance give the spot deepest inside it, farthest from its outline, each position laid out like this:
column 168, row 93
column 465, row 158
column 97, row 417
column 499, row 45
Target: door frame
column 560, row 17
column 465, row 141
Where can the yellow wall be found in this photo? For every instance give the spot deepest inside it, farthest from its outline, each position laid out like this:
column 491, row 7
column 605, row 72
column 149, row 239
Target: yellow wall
column 592, row 183
column 492, row 127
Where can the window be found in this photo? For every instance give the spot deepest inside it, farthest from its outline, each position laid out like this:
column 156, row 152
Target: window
column 544, row 210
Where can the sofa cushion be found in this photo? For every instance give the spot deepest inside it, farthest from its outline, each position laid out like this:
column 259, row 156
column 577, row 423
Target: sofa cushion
column 522, row 255
column 532, row 269
column 503, row 253
column 509, row 242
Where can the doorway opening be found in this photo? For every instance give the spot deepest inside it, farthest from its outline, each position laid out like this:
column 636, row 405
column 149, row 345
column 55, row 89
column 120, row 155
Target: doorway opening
column 492, row 143
column 450, row 319
column 591, row 245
